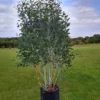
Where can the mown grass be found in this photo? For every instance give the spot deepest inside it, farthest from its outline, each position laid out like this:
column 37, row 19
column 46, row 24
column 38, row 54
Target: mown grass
column 82, row 80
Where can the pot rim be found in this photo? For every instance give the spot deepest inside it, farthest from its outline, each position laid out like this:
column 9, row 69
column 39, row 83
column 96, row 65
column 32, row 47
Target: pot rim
column 57, row 88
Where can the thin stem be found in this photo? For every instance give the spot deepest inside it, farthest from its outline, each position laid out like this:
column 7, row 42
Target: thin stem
column 49, row 75
column 41, row 74
column 54, row 74
column 57, row 77
column 45, row 81
column 52, row 67
column 39, row 79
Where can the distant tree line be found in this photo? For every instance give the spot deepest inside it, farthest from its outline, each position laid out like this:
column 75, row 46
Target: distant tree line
column 8, row 42
column 86, row 40
column 13, row 42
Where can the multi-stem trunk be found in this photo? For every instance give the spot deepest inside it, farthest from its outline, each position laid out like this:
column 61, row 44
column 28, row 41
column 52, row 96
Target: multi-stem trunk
column 45, row 81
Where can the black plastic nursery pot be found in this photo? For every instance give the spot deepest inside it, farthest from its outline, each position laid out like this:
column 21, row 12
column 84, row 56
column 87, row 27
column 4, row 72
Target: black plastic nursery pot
column 49, row 95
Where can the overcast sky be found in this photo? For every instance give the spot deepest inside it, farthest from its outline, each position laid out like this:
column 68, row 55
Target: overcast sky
column 84, row 17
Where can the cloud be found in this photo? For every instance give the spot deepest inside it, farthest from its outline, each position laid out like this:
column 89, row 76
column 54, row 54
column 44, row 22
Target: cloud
column 8, row 20
column 84, row 19
column 83, row 15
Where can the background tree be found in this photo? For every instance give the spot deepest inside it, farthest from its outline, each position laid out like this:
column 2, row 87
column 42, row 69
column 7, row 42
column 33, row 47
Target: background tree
column 8, row 42
column 97, row 38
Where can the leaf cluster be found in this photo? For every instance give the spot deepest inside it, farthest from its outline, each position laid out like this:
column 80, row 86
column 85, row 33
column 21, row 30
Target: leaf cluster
column 44, row 30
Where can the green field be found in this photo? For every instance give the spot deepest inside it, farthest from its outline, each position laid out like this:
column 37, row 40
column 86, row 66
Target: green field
column 82, row 79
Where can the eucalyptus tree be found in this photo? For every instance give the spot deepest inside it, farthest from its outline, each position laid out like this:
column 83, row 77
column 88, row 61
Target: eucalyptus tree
column 44, row 38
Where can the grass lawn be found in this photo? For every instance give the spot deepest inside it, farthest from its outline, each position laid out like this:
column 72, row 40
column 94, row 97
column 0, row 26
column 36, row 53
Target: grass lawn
column 82, row 80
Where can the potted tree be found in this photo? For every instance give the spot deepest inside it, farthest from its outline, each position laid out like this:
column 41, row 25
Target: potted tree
column 44, row 41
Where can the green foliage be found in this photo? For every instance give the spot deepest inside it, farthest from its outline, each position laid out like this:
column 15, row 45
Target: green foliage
column 8, row 42
column 86, row 40
column 44, row 30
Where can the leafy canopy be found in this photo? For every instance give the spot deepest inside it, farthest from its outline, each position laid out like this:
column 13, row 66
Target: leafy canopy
column 44, row 32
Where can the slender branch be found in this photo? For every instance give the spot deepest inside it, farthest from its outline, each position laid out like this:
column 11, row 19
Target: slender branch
column 57, row 77
column 45, row 81
column 52, row 66
column 39, row 79
column 49, row 76
column 54, row 74
column 41, row 74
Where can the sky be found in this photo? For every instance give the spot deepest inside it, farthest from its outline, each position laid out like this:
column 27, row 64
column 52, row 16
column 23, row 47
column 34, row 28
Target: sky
column 84, row 17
